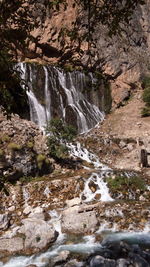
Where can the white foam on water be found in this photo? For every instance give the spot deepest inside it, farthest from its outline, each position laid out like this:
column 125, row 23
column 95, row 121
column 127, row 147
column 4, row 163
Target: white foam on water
column 47, row 192
column 107, row 227
column 101, row 188
column 56, row 222
column 76, row 150
column 41, row 260
column 26, row 195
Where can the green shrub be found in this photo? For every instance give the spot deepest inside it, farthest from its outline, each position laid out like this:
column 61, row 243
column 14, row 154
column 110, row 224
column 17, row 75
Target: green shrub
column 14, row 147
column 5, row 138
column 40, row 160
column 120, row 183
column 145, row 112
column 30, row 144
column 146, row 97
column 59, row 133
column 146, row 82
column 68, row 68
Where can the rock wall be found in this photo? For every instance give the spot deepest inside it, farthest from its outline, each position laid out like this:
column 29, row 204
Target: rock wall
column 124, row 58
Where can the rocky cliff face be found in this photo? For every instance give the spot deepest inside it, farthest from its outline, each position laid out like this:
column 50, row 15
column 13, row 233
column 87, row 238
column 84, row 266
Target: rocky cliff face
column 124, row 58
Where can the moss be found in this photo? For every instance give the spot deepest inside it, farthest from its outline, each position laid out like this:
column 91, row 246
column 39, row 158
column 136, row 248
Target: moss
column 30, row 144
column 14, row 147
column 5, row 138
column 68, row 68
column 40, row 160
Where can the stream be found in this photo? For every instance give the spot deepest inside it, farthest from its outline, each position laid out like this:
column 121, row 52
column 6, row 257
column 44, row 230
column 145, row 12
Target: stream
column 86, row 244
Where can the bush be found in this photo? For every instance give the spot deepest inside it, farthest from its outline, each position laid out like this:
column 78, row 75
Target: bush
column 146, row 82
column 59, row 133
column 146, row 97
column 145, row 112
column 40, row 160
column 30, row 144
column 120, row 183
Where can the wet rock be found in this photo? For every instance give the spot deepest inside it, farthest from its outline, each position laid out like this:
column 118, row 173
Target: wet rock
column 61, row 258
column 75, row 222
column 32, row 265
column 98, row 196
column 74, row 263
column 38, row 234
column 138, row 261
column 99, row 261
column 122, row 263
column 92, row 186
column 4, row 221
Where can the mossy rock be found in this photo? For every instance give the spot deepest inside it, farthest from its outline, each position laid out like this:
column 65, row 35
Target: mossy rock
column 44, row 165
column 5, row 138
column 14, row 147
column 30, row 144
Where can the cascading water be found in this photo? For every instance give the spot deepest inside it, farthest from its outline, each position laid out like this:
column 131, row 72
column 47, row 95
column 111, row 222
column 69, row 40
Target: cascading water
column 56, row 93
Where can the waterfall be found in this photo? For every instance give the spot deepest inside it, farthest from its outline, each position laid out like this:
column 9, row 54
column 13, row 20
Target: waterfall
column 56, row 93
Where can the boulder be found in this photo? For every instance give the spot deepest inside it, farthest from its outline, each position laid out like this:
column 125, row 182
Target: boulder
column 38, row 234
column 99, row 261
column 75, row 222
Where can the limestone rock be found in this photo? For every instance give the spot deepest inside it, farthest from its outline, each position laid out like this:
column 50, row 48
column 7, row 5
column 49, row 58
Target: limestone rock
column 75, row 222
column 11, row 245
column 73, row 202
column 38, row 234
